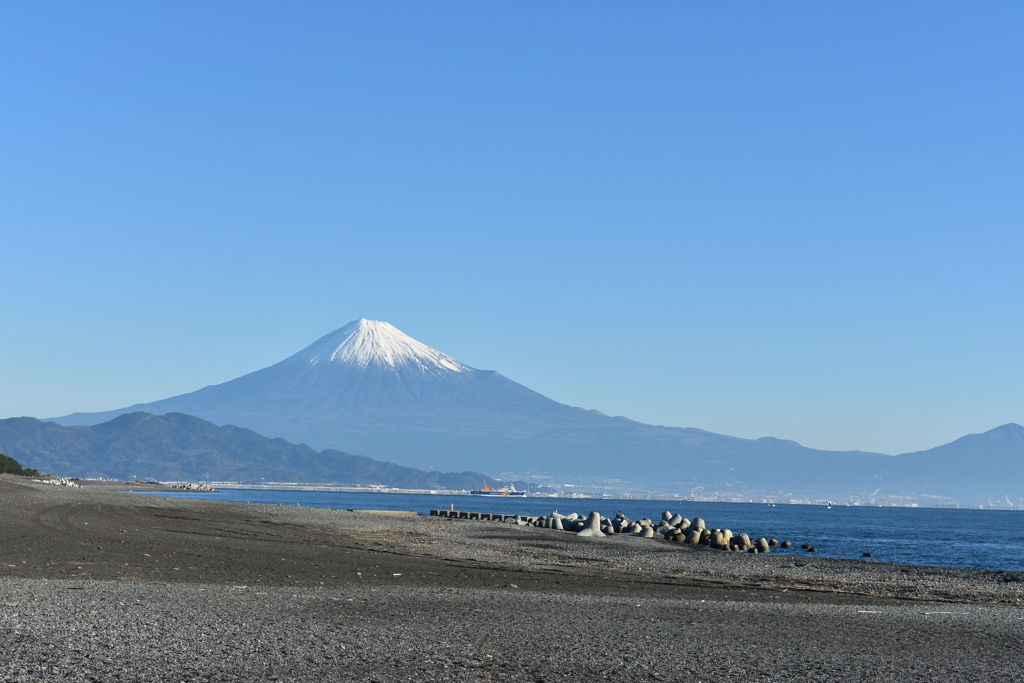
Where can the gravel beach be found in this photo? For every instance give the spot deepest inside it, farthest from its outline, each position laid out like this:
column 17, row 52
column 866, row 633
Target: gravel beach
column 99, row 585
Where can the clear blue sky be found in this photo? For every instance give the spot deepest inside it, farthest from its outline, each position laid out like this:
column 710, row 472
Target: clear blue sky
column 803, row 220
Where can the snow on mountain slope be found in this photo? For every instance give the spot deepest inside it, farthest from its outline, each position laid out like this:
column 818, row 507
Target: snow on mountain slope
column 372, row 342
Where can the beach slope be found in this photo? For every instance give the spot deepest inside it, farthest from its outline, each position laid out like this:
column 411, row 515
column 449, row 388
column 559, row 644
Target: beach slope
column 96, row 584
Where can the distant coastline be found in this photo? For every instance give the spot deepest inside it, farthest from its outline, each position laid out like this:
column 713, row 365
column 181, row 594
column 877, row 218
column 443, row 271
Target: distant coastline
column 669, row 498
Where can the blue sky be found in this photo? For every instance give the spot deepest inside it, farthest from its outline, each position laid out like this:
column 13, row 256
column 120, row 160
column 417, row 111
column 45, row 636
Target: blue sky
column 802, row 220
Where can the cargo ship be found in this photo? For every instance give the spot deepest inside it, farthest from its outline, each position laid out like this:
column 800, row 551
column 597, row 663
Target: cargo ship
column 504, row 491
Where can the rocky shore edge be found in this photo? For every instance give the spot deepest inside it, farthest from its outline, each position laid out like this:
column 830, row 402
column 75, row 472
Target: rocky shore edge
column 541, row 547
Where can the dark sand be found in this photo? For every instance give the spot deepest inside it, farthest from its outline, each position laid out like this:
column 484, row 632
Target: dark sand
column 98, row 585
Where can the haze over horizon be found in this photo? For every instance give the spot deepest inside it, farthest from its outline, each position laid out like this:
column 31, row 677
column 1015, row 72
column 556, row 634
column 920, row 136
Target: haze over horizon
column 798, row 222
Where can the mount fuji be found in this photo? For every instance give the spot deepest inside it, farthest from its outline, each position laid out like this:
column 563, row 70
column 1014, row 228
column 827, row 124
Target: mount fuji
column 369, row 388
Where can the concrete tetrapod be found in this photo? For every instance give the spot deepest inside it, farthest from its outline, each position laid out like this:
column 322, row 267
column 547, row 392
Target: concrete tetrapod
column 666, row 530
column 672, row 527
column 593, row 526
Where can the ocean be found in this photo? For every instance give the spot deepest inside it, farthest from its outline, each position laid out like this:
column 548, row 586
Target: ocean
column 980, row 539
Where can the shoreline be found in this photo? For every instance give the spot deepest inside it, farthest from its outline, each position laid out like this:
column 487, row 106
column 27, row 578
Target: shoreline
column 606, row 497
column 433, row 580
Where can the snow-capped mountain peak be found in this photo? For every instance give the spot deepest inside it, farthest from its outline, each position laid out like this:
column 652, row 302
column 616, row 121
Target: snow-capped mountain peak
column 373, row 342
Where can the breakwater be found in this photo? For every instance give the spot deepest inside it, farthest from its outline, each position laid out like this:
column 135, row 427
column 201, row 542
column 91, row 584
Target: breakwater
column 672, row 527
column 490, row 516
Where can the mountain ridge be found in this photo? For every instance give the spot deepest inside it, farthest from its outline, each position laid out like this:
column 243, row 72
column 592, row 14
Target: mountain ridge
column 185, row 447
column 179, row 447
column 367, row 387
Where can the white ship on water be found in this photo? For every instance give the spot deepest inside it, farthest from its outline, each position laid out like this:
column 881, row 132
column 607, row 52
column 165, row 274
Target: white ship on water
column 504, row 491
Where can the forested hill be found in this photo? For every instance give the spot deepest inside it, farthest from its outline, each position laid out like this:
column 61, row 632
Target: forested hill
column 9, row 465
column 179, row 447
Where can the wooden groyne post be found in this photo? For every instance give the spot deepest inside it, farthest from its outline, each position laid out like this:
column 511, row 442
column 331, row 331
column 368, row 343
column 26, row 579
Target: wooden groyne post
column 490, row 516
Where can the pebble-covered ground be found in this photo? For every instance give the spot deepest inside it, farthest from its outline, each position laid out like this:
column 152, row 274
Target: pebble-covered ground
column 103, row 586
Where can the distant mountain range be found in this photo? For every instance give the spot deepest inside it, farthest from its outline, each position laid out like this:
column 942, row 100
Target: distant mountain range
column 979, row 469
column 367, row 387
column 177, row 447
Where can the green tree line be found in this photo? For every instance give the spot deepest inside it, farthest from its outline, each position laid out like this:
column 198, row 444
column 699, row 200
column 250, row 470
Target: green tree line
column 11, row 466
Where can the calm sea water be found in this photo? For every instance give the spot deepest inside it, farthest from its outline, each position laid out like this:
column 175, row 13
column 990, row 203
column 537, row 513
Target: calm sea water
column 983, row 539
